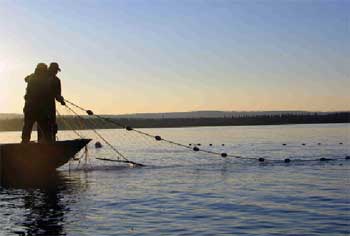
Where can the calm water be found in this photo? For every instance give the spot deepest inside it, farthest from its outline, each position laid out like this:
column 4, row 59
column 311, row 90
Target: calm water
column 188, row 193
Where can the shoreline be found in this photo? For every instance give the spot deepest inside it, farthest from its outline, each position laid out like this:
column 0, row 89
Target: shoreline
column 184, row 126
column 87, row 122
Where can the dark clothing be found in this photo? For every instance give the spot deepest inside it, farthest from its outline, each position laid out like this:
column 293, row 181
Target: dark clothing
column 36, row 94
column 40, row 107
column 54, row 93
column 42, row 124
column 42, row 91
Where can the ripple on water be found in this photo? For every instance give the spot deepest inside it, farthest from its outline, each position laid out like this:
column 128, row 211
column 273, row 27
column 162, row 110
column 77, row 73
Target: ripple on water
column 182, row 193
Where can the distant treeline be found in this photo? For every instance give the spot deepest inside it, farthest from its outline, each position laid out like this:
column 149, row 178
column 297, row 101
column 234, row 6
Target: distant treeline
column 70, row 122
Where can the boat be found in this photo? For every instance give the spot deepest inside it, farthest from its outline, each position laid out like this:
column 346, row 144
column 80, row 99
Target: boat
column 36, row 159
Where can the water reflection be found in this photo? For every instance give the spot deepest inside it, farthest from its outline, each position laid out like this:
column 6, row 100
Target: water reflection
column 43, row 203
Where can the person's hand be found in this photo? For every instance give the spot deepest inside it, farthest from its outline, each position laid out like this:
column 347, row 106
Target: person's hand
column 61, row 100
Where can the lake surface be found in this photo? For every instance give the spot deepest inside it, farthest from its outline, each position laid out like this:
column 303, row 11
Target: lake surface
column 181, row 192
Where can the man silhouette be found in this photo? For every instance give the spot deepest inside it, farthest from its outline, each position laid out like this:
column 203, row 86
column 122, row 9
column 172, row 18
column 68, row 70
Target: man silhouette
column 54, row 94
column 34, row 101
column 44, row 87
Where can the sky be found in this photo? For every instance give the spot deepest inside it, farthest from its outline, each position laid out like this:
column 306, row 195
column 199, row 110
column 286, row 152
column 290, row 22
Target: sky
column 137, row 56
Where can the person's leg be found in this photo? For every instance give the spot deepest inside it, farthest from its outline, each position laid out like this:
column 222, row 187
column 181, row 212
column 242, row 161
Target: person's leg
column 40, row 133
column 43, row 126
column 55, row 130
column 54, row 125
column 51, row 133
column 27, row 128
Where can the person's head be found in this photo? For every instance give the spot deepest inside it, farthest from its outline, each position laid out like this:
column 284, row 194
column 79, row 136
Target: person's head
column 54, row 68
column 40, row 70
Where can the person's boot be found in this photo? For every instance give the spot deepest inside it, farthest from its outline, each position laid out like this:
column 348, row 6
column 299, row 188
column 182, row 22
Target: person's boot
column 25, row 140
column 25, row 136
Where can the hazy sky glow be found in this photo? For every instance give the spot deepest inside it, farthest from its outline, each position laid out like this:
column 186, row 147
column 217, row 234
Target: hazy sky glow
column 157, row 56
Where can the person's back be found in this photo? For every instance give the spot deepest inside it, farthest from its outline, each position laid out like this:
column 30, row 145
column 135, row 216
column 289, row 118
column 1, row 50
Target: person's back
column 35, row 109
column 36, row 92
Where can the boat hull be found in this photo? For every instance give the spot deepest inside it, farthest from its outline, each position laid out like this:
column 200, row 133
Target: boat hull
column 36, row 159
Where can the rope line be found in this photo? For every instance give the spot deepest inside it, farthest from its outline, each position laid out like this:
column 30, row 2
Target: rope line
column 66, row 123
column 119, row 154
column 195, row 148
column 158, row 138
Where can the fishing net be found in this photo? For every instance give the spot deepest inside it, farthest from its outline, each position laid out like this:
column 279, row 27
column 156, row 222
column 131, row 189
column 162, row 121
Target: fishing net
column 114, row 141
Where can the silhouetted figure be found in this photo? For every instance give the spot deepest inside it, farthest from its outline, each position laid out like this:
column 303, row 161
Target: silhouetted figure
column 54, row 93
column 43, row 88
column 34, row 108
